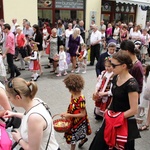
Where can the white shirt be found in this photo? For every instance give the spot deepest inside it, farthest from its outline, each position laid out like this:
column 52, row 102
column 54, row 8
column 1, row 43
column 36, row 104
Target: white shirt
column 135, row 34
column 145, row 39
column 95, row 36
column 116, row 33
column 40, row 109
column 68, row 33
column 13, row 27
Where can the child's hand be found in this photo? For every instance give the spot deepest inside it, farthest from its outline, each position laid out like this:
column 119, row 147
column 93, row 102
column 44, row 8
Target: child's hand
column 101, row 94
column 66, row 115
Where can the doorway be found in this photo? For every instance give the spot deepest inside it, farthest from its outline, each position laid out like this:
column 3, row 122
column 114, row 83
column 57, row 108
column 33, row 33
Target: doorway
column 1, row 9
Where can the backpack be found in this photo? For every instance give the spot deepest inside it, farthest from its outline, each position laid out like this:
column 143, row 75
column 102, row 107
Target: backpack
column 5, row 141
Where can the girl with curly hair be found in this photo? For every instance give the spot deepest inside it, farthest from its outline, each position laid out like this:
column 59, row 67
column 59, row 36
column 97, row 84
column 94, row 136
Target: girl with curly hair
column 76, row 112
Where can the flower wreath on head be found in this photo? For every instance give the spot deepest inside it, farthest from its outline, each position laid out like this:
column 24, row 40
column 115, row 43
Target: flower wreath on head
column 108, row 58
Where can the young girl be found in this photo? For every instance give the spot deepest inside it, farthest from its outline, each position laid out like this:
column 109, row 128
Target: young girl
column 63, row 66
column 76, row 112
column 82, row 60
column 102, row 95
column 2, row 67
column 34, row 62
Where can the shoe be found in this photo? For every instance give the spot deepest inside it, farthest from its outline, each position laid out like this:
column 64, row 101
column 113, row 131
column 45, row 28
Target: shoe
column 90, row 65
column 58, row 75
column 10, row 78
column 17, row 59
column 97, row 117
column 82, row 142
column 72, row 71
column 77, row 71
column 52, row 71
column 84, row 72
column 65, row 73
column 35, row 78
column 47, row 67
column 21, row 69
column 144, row 127
column 142, row 114
column 18, row 74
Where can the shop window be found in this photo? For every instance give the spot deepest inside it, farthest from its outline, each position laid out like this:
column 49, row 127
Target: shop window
column 106, row 6
column 124, row 17
column 45, row 14
column 68, row 14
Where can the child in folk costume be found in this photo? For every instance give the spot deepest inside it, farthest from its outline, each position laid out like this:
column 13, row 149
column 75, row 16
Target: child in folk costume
column 63, row 66
column 34, row 62
column 102, row 94
column 82, row 59
column 76, row 112
column 2, row 67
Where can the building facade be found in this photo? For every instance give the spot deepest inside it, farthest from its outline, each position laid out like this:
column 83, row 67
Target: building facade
column 87, row 10
column 125, row 11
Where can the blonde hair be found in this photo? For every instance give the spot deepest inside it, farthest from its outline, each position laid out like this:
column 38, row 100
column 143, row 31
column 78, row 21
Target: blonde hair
column 84, row 45
column 61, row 47
column 76, row 32
column 54, row 30
column 22, row 87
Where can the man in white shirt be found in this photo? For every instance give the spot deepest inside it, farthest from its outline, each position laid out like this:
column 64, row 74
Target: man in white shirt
column 102, row 26
column 13, row 27
column 95, row 44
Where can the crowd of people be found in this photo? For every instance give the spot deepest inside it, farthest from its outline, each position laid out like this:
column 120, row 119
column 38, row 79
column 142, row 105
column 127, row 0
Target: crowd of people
column 121, row 93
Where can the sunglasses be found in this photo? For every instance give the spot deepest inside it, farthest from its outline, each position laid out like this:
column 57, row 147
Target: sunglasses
column 10, row 85
column 115, row 65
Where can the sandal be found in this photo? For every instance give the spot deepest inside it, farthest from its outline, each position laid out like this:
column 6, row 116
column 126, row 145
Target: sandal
column 82, row 142
column 144, row 127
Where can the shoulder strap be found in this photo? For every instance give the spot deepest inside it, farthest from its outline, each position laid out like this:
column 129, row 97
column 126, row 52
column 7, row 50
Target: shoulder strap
column 48, row 109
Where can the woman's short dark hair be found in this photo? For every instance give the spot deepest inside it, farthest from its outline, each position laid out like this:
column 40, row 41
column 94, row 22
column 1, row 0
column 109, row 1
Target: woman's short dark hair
column 128, row 45
column 123, row 58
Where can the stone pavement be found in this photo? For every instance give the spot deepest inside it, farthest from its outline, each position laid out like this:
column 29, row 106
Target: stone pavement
column 52, row 90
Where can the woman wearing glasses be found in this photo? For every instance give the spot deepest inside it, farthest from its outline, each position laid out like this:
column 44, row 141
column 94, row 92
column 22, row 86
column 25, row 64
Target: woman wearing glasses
column 37, row 131
column 119, row 128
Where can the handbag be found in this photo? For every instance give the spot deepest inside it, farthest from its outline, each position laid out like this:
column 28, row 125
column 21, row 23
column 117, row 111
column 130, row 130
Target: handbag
column 47, row 51
column 5, row 141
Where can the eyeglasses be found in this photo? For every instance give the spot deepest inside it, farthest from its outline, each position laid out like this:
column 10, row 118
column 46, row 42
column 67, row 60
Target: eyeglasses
column 10, row 85
column 115, row 65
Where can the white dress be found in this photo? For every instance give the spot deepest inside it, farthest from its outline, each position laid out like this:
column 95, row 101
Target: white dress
column 62, row 61
column 2, row 67
column 45, row 36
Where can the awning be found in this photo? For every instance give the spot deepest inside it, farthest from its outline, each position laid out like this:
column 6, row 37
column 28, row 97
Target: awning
column 135, row 2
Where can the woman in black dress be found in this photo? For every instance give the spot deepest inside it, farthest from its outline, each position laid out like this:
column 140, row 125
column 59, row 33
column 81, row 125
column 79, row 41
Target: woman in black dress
column 125, row 100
